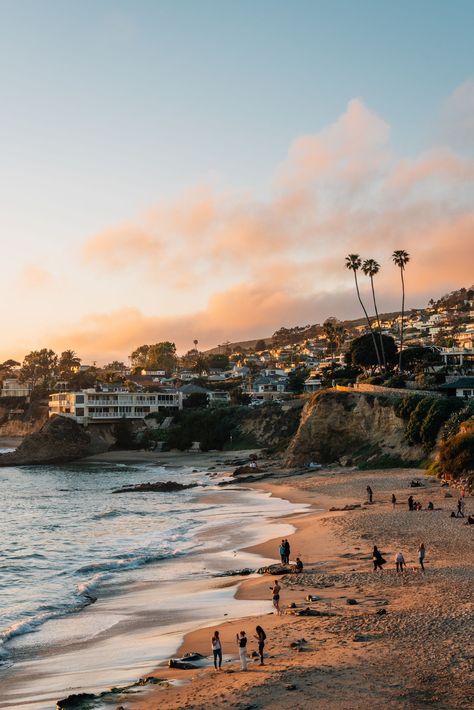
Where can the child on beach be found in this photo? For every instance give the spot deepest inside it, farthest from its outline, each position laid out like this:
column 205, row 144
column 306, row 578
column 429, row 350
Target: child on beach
column 242, row 644
column 260, row 636
column 276, row 597
column 400, row 561
column 216, row 650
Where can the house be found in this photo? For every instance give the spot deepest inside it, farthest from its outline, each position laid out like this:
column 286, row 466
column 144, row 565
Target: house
column 268, row 388
column 153, row 373
column 213, row 396
column 312, row 384
column 274, row 372
column 93, row 406
column 461, row 387
column 12, row 387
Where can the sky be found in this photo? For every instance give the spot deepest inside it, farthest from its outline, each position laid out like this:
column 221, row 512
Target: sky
column 199, row 169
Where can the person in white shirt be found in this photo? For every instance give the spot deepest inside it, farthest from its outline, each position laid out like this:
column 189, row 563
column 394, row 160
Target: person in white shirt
column 400, row 561
column 217, row 650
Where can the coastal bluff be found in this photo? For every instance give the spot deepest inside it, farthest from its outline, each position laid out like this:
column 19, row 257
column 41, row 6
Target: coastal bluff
column 59, row 440
column 351, row 429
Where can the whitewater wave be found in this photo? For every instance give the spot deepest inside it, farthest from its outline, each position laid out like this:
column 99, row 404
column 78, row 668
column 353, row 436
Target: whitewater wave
column 124, row 563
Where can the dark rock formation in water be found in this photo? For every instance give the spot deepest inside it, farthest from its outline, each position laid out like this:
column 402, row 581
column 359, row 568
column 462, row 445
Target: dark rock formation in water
column 158, row 487
column 60, row 440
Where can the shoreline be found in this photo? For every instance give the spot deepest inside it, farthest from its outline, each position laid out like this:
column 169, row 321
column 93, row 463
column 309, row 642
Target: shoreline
column 337, row 566
column 208, row 598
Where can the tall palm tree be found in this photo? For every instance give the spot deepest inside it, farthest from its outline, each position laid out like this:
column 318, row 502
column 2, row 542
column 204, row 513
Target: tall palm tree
column 371, row 268
column 401, row 258
column 353, row 263
column 195, row 343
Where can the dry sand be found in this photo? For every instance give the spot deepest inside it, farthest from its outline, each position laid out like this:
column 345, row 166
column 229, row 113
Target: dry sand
column 406, row 643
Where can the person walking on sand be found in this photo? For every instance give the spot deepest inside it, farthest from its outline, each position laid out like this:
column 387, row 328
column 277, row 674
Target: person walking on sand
column 282, row 552
column 242, row 644
column 217, row 650
column 276, row 597
column 369, row 494
column 287, row 552
column 399, row 561
column 378, row 560
column 410, row 502
column 394, row 501
column 461, row 508
column 421, row 556
column 261, row 637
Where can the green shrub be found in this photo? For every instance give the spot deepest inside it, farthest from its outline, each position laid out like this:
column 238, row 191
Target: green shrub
column 451, row 426
column 405, row 406
column 439, row 412
column 397, row 381
column 417, row 419
column 456, row 455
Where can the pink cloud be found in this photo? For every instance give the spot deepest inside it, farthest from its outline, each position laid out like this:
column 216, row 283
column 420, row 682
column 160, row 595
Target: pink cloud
column 34, row 277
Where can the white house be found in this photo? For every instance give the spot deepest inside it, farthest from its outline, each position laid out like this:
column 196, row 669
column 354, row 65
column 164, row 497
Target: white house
column 13, row 388
column 312, row 384
column 93, row 407
column 461, row 387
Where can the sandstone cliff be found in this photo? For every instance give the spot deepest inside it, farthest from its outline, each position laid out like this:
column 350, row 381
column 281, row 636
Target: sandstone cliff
column 58, row 441
column 358, row 429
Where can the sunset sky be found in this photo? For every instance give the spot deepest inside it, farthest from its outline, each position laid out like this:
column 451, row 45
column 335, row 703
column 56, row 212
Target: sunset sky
column 185, row 169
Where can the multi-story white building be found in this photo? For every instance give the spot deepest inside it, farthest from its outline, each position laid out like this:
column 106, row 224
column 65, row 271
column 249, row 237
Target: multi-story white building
column 12, row 387
column 90, row 406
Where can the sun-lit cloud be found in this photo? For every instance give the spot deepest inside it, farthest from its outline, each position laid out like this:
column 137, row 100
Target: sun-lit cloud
column 33, row 276
column 278, row 260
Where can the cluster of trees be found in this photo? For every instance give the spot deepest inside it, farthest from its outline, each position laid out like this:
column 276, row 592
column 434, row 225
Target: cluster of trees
column 425, row 416
column 371, row 268
column 160, row 356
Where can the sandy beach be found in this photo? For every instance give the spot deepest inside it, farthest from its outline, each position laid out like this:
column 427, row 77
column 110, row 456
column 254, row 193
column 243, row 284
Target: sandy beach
column 404, row 642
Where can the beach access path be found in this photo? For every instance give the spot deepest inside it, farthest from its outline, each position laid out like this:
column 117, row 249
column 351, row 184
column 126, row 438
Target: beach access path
column 405, row 643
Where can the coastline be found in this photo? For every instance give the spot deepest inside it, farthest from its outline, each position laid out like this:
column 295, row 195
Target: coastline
column 349, row 646
column 147, row 619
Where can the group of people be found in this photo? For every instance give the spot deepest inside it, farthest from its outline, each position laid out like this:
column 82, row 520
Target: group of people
column 400, row 564
column 285, row 552
column 241, row 640
column 417, row 505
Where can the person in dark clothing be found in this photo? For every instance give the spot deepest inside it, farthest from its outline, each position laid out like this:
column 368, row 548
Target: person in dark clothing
column 378, row 560
column 287, row 552
column 298, row 568
column 282, row 552
column 261, row 637
column 394, row 500
column 369, row 493
column 410, row 502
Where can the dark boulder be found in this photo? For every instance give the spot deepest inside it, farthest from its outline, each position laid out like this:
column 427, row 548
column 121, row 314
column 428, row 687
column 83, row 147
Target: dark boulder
column 79, row 701
column 158, row 487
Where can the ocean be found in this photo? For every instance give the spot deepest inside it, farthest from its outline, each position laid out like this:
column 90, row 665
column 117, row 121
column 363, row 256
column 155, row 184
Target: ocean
column 67, row 541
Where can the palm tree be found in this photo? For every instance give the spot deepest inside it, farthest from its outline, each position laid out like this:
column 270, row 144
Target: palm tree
column 371, row 268
column 195, row 344
column 401, row 258
column 353, row 263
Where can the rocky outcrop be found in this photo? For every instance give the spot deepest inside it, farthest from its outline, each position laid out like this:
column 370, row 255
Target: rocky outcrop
column 353, row 429
column 158, row 487
column 60, row 440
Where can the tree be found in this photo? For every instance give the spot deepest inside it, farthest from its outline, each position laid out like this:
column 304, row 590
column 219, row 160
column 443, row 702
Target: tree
column 401, row 258
column 419, row 357
column 260, row 345
column 40, row 368
column 160, row 356
column 195, row 343
column 353, row 263
column 218, row 362
column 7, row 367
column 296, row 380
column 68, row 363
column 371, row 268
column 195, row 400
column 115, row 366
column 361, row 351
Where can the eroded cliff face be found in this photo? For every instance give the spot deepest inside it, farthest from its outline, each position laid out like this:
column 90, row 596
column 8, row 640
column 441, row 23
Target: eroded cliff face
column 358, row 429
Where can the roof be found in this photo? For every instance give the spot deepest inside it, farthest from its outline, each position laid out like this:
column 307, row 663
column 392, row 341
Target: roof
column 192, row 389
column 460, row 383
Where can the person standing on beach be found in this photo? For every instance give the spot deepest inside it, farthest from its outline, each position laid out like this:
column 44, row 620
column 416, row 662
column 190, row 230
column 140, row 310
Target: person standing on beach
column 217, row 649
column 400, row 561
column 276, row 597
column 242, row 644
column 421, row 556
column 369, row 494
column 282, row 552
column 287, row 552
column 460, row 508
column 394, row 500
column 378, row 560
column 410, row 502
column 260, row 636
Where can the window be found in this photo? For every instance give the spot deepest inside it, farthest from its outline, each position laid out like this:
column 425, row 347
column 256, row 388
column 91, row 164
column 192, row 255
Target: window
column 80, row 399
column 79, row 411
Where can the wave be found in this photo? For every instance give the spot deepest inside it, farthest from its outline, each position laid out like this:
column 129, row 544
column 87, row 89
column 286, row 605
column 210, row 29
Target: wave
column 117, row 513
column 124, row 563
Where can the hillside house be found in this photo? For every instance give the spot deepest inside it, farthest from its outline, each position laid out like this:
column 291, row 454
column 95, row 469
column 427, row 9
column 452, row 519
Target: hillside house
column 460, row 387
